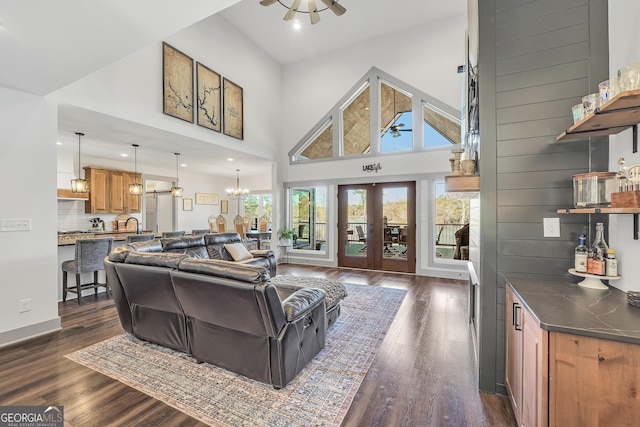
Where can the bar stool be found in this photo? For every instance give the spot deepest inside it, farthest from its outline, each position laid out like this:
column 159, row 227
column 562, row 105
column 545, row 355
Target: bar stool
column 90, row 255
column 140, row 237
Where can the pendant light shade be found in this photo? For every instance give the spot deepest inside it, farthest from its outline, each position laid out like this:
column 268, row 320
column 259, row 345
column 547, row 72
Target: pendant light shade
column 176, row 191
column 135, row 189
column 79, row 185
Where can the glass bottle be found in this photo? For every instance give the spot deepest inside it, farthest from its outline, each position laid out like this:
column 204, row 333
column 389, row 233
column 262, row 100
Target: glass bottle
column 611, row 263
column 581, row 255
column 599, row 249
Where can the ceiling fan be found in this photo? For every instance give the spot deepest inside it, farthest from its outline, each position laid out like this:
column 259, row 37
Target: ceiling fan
column 396, row 129
column 312, row 9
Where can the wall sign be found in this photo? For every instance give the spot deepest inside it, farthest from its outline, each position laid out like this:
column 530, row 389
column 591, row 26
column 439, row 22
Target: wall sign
column 374, row 167
column 207, row 199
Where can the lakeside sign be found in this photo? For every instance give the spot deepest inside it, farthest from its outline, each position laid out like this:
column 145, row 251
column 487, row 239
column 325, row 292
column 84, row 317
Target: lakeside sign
column 374, row 167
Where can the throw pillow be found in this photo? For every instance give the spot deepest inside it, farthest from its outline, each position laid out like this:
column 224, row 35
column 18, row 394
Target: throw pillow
column 237, row 251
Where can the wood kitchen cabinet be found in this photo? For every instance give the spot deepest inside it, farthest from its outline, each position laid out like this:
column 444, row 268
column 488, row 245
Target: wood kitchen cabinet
column 109, row 191
column 526, row 364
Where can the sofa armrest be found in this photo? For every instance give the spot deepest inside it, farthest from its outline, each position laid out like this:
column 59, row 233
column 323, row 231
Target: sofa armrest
column 262, row 253
column 302, row 302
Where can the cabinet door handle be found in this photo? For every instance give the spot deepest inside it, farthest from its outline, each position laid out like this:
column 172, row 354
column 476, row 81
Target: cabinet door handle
column 513, row 313
column 516, row 307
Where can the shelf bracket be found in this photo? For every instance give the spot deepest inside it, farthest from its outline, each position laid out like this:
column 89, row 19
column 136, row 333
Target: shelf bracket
column 635, row 226
column 635, row 138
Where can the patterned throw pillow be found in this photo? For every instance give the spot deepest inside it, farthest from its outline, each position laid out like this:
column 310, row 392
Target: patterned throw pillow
column 237, row 251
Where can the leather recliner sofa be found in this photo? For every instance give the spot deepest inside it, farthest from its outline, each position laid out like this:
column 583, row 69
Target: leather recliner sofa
column 224, row 313
column 210, row 246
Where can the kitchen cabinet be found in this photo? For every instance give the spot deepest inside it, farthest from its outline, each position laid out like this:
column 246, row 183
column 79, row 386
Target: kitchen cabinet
column 109, row 191
column 565, row 365
column 526, row 364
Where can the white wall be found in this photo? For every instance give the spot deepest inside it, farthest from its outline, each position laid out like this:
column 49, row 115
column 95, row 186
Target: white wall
column 28, row 259
column 131, row 88
column 624, row 49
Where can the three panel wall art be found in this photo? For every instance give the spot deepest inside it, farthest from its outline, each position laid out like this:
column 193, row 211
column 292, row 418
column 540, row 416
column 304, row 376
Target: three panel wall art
column 218, row 101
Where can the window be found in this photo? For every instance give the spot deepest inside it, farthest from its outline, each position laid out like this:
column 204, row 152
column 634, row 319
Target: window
column 439, row 129
column 356, row 125
column 256, row 206
column 309, row 218
column 321, row 145
column 451, row 216
column 396, row 117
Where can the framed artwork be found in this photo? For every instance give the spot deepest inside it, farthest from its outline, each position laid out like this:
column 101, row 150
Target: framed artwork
column 232, row 109
column 187, row 204
column 207, row 199
column 209, row 98
column 177, row 89
column 224, row 207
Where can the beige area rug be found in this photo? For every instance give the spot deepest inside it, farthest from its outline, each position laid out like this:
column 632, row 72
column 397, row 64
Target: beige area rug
column 319, row 396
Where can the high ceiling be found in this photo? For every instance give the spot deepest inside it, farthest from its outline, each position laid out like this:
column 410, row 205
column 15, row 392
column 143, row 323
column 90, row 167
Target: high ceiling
column 68, row 39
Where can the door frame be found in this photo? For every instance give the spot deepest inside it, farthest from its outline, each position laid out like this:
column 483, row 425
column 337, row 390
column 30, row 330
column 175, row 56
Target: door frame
column 374, row 260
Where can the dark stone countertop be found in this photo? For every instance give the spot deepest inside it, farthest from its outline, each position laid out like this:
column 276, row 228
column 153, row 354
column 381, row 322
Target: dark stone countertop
column 562, row 306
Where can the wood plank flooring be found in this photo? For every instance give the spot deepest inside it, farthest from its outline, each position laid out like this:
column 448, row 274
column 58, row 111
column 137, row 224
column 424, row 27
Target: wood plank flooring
column 423, row 374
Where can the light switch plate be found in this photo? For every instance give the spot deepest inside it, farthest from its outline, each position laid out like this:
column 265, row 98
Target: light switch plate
column 15, row 224
column 551, row 227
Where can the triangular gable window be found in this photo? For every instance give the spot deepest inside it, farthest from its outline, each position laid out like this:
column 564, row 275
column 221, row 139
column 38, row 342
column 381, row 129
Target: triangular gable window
column 393, row 107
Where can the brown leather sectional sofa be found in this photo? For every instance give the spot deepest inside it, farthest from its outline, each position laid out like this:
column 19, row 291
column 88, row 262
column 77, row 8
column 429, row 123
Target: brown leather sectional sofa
column 225, row 313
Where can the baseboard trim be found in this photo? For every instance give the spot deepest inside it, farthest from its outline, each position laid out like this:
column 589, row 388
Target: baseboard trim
column 15, row 336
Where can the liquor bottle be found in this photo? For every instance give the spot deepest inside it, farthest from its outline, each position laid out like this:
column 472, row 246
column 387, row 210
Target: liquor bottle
column 582, row 254
column 599, row 249
column 611, row 263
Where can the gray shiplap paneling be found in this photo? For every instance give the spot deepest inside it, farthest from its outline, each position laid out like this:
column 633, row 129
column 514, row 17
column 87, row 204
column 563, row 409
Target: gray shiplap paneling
column 527, row 231
column 532, row 214
column 545, row 41
column 554, row 197
column 543, row 24
column 540, row 111
column 508, row 4
column 549, row 248
column 545, row 162
column 544, row 58
column 570, row 89
column 538, row 145
column 533, row 128
column 541, row 179
column 531, row 10
column 556, row 267
column 543, row 76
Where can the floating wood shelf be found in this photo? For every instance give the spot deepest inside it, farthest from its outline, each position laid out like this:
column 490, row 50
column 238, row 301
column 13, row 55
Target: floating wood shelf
column 468, row 183
column 618, row 114
column 634, row 211
column 64, row 193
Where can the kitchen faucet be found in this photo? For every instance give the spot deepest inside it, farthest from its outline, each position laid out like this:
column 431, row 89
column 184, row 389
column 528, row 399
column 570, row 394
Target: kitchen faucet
column 137, row 223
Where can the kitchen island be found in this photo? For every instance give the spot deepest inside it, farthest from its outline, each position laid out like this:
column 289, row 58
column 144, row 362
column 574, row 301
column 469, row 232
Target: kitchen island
column 572, row 354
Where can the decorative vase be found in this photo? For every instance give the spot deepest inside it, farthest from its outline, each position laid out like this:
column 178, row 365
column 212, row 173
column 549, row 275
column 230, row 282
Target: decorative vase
column 468, row 167
column 457, row 152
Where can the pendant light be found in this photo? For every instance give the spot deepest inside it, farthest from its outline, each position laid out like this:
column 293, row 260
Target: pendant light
column 237, row 193
column 79, row 185
column 135, row 189
column 175, row 190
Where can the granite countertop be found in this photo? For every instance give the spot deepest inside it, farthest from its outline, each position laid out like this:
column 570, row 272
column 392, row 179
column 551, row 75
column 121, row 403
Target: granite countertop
column 562, row 306
column 67, row 240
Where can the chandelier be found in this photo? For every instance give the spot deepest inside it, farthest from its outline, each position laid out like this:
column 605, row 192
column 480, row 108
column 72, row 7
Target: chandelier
column 176, row 191
column 135, row 189
column 312, row 10
column 79, row 185
column 237, row 193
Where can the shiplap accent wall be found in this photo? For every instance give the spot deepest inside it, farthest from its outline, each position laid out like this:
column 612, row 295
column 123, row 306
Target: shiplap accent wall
column 537, row 59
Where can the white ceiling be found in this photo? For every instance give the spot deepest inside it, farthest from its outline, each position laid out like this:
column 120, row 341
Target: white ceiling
column 47, row 45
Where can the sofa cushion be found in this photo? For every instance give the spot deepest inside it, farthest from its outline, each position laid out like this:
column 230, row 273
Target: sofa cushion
column 190, row 245
column 225, row 269
column 237, row 251
column 168, row 260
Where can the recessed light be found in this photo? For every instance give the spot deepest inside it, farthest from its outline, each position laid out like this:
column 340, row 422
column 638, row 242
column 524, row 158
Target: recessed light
column 296, row 25
column 58, row 143
column 124, row 155
column 184, row 165
column 230, row 159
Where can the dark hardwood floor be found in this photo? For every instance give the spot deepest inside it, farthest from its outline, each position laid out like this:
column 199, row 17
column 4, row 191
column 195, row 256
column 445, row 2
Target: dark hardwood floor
column 423, row 374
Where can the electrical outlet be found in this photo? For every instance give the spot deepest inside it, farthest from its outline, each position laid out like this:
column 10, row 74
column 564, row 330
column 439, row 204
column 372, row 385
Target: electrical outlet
column 15, row 224
column 551, row 227
column 25, row 305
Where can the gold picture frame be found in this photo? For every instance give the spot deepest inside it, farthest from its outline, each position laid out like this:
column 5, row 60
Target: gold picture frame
column 209, row 98
column 224, row 207
column 177, row 88
column 187, row 204
column 207, row 199
column 232, row 120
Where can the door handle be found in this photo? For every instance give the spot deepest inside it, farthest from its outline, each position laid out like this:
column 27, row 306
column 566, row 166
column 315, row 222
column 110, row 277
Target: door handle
column 516, row 307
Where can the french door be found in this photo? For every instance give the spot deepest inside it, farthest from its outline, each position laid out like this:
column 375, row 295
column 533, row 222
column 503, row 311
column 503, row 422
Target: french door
column 376, row 226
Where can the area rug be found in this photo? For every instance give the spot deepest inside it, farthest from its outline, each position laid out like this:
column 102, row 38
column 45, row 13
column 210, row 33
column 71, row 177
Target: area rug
column 319, row 396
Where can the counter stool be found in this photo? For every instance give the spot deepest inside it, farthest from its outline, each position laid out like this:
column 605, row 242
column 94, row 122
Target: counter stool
column 90, row 254
column 140, row 237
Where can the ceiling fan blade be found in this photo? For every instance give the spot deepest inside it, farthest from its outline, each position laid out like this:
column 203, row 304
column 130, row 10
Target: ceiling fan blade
column 336, row 8
column 313, row 12
column 268, row 2
column 292, row 10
